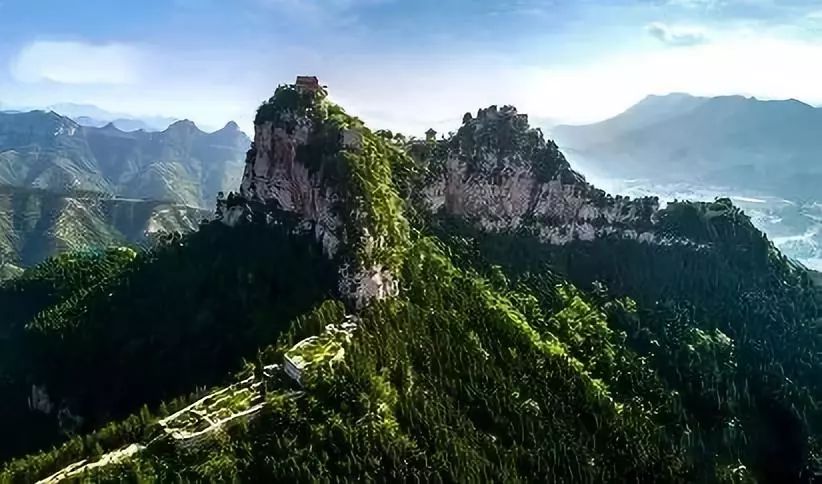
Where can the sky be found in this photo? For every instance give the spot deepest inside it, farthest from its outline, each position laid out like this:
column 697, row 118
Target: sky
column 405, row 64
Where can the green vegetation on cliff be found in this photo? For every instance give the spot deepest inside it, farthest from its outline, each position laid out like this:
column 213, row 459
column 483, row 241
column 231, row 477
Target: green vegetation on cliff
column 362, row 173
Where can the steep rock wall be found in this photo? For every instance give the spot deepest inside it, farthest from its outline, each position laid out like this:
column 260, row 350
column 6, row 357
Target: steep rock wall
column 274, row 174
column 501, row 175
column 312, row 160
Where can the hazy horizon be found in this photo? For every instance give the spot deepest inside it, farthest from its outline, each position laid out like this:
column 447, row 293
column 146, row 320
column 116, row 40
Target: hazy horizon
column 405, row 65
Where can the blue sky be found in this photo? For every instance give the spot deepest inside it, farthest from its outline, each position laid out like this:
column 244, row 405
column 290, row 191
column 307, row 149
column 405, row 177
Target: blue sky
column 405, row 64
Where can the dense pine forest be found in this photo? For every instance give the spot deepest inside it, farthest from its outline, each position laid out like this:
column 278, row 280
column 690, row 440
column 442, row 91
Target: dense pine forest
column 691, row 354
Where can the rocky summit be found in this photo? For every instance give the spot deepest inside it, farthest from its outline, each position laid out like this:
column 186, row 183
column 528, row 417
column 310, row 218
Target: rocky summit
column 367, row 306
column 502, row 175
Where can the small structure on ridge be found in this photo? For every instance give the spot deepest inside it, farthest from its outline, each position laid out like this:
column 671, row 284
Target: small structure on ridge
column 308, row 84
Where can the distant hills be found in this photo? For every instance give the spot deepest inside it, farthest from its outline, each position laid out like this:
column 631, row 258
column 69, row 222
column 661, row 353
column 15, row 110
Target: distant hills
column 180, row 164
column 91, row 115
column 735, row 141
column 123, row 124
column 35, row 224
column 65, row 186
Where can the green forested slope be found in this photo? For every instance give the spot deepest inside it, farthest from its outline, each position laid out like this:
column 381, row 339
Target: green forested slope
column 732, row 327
column 691, row 359
column 103, row 333
column 9, row 271
column 453, row 381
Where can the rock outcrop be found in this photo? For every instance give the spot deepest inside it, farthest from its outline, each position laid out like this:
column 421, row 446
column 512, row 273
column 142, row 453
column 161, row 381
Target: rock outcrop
column 39, row 400
column 315, row 162
column 501, row 175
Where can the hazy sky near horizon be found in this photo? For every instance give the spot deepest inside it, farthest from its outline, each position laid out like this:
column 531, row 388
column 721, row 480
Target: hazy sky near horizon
column 405, row 64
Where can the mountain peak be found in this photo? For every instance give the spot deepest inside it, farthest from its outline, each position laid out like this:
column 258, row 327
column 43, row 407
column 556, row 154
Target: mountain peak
column 656, row 101
column 794, row 103
column 45, row 121
column 670, row 95
column 507, row 130
column 231, row 133
column 304, row 98
column 733, row 98
column 794, row 100
column 74, row 110
column 182, row 125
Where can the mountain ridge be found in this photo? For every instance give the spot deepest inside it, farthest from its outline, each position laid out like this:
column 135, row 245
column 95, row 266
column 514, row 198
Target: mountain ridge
column 94, row 116
column 91, row 115
column 660, row 107
column 741, row 130
column 181, row 163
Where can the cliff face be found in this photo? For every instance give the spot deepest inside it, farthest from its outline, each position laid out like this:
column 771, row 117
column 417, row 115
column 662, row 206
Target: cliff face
column 312, row 160
column 275, row 174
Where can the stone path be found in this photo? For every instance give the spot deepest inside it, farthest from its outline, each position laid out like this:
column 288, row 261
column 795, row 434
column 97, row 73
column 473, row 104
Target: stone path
column 189, row 426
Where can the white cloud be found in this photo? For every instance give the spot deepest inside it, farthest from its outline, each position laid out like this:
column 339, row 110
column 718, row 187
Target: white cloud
column 696, row 3
column 411, row 96
column 322, row 8
column 676, row 35
column 76, row 63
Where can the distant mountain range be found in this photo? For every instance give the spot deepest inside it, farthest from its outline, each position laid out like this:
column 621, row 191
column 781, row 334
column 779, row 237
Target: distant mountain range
column 64, row 186
column 767, row 155
column 91, row 115
column 181, row 164
column 734, row 141
column 123, row 124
